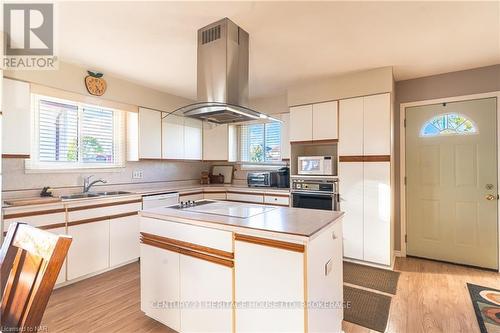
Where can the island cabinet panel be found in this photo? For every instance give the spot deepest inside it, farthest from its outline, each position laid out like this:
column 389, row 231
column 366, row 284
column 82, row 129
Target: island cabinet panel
column 209, row 286
column 324, row 277
column 197, row 235
column 89, row 251
column 268, row 274
column 160, row 280
column 123, row 239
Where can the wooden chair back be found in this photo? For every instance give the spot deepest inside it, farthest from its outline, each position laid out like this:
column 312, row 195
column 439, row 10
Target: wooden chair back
column 30, row 261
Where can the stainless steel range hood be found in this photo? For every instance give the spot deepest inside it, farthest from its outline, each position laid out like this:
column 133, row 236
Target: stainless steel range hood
column 222, row 76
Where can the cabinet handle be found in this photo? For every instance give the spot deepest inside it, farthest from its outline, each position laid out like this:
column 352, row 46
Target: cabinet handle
column 334, row 237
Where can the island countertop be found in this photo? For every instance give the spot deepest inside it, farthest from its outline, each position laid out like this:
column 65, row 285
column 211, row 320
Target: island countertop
column 283, row 220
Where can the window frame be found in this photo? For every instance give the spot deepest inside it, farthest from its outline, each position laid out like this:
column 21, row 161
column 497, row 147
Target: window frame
column 255, row 165
column 35, row 165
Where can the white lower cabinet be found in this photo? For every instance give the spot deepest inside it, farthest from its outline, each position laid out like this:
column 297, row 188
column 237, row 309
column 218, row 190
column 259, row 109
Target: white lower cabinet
column 351, row 202
column 89, row 251
column 365, row 194
column 208, row 287
column 123, row 239
column 266, row 274
column 245, row 197
column 160, row 280
column 377, row 212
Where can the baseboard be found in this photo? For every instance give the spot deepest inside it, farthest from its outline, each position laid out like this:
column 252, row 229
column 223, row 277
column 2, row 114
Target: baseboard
column 397, row 253
column 367, row 263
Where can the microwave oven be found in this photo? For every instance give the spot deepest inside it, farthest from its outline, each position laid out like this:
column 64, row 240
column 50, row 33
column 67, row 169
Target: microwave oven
column 316, row 165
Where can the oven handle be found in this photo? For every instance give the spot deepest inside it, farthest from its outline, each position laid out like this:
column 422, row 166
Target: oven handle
column 314, row 193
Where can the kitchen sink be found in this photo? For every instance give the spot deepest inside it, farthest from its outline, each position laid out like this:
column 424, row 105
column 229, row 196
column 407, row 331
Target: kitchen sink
column 103, row 194
column 92, row 195
column 79, row 196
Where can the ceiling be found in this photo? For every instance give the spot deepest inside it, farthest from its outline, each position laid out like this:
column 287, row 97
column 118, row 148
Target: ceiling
column 154, row 43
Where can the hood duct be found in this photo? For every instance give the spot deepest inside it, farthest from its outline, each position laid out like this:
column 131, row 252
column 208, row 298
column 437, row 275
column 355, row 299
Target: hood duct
column 222, row 82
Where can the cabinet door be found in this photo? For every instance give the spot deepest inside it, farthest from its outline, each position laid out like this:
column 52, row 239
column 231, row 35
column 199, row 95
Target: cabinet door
column 16, row 109
column 160, row 285
column 193, row 139
column 351, row 127
column 267, row 274
column 285, row 136
column 325, row 121
column 89, row 251
column 301, row 123
column 377, row 212
column 149, row 133
column 62, row 273
column 216, row 287
column 351, row 196
column 215, row 142
column 377, row 125
column 172, row 127
column 123, row 239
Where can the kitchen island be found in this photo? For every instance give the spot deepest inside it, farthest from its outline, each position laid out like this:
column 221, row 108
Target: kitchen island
column 224, row 266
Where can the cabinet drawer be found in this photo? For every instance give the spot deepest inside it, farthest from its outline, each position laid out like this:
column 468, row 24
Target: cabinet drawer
column 214, row 196
column 53, row 217
column 102, row 210
column 277, row 200
column 243, row 197
column 216, row 239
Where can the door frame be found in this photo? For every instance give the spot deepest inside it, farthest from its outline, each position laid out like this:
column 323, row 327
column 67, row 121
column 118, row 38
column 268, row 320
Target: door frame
column 402, row 156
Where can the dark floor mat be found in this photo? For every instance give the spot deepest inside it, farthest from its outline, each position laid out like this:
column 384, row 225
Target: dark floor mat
column 371, row 277
column 366, row 308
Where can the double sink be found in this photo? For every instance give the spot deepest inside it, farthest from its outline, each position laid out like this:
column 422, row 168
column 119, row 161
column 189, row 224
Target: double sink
column 93, row 195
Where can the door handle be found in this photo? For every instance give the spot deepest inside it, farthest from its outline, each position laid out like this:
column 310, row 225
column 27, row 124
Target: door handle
column 490, row 197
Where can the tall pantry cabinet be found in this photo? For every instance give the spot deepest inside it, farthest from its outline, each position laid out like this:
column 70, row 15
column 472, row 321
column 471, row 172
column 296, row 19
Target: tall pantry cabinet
column 364, row 151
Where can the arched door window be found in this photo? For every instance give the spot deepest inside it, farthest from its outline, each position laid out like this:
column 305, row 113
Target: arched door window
column 448, row 124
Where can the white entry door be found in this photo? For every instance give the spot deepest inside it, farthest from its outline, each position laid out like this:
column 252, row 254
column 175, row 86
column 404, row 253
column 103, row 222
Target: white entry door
column 452, row 187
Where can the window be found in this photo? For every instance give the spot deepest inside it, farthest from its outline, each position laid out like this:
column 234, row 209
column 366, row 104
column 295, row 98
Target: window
column 75, row 135
column 260, row 143
column 448, row 124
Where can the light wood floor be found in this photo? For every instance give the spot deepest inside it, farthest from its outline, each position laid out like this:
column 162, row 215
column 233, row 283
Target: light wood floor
column 431, row 297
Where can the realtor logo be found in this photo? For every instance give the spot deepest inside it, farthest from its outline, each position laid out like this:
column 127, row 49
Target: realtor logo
column 29, row 36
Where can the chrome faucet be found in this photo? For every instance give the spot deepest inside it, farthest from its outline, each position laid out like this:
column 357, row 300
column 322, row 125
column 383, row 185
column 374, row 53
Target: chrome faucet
column 87, row 184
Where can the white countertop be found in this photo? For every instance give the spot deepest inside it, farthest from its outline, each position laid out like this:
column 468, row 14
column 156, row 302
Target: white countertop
column 220, row 214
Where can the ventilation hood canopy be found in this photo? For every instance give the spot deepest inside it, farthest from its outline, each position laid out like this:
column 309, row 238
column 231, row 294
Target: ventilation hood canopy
column 222, row 76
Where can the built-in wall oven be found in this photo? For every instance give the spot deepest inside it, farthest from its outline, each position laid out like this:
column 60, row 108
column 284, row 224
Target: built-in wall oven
column 315, row 193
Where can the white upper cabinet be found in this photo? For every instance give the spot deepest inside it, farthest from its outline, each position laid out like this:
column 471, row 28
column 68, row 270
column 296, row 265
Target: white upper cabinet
column 325, row 121
column 301, row 123
column 377, row 125
column 351, row 127
column 149, row 133
column 193, row 139
column 219, row 142
column 16, row 109
column 132, row 136
column 285, row 136
column 172, row 127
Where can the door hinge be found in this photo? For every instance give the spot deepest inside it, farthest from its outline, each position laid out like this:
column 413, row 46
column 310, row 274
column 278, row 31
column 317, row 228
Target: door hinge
column 404, row 122
column 406, row 238
column 405, row 180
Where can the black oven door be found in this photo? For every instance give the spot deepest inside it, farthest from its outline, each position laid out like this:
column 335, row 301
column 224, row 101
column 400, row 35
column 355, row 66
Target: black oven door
column 324, row 201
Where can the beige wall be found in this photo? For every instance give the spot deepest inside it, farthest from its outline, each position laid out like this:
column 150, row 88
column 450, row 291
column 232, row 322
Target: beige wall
column 70, row 77
column 270, row 105
column 473, row 81
column 362, row 83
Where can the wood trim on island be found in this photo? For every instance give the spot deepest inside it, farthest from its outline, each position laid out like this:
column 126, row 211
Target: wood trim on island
column 365, row 158
column 192, row 246
column 270, row 242
column 158, row 241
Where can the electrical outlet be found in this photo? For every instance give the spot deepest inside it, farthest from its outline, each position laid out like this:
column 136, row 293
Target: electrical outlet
column 137, row 174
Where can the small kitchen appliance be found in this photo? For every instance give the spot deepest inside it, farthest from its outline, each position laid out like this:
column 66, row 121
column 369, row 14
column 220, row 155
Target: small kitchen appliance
column 316, row 165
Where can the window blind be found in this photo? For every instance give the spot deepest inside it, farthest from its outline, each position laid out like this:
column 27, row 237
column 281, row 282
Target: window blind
column 260, row 143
